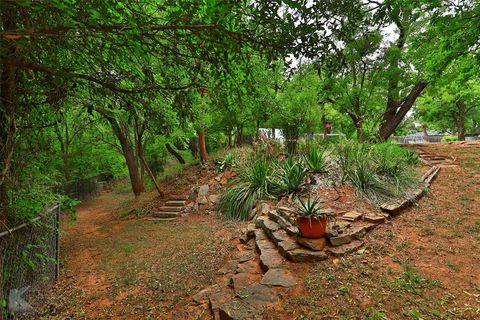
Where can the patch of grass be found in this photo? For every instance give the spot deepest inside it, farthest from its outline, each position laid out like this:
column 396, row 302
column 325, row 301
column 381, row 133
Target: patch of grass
column 475, row 228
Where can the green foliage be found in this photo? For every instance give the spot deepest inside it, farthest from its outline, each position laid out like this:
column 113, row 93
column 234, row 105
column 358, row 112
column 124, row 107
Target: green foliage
column 449, row 138
column 256, row 181
column 292, row 174
column 228, row 161
column 309, row 208
column 377, row 171
column 316, row 159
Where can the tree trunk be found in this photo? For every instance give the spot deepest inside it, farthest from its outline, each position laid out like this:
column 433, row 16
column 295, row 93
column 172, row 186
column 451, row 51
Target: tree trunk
column 202, row 145
column 396, row 111
column 462, row 113
column 273, row 133
column 174, row 153
column 358, row 123
column 66, row 167
column 129, row 155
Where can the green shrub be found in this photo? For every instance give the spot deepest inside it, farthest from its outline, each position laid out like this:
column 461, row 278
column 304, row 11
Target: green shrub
column 449, row 138
column 316, row 160
column 228, row 161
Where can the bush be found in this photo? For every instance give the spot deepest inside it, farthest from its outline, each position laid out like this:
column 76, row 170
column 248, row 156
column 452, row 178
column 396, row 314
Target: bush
column 449, row 138
column 316, row 160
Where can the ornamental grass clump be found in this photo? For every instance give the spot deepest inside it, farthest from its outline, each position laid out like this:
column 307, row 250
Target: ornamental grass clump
column 378, row 172
column 292, row 174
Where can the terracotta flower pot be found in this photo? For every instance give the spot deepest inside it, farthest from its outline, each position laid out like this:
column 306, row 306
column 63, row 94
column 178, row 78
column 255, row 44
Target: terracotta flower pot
column 312, row 227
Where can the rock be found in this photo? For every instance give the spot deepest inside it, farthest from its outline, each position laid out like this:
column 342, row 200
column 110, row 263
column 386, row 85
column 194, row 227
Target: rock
column 236, row 309
column 258, row 295
column 248, row 303
column 245, row 256
column 279, row 236
column 219, row 177
column 314, row 244
column 345, row 249
column 243, row 280
column 264, row 208
column 260, row 235
column 357, row 232
column 202, row 200
column 263, row 245
column 285, row 246
column 249, row 266
column 270, row 259
column 278, row 278
column 369, row 226
column 352, row 216
column 283, row 223
column 228, row 267
column 218, row 298
column 259, row 222
column 287, row 213
column 341, row 239
column 370, row 217
column 304, row 255
column 214, row 198
column 331, row 233
column 251, row 230
column 203, row 190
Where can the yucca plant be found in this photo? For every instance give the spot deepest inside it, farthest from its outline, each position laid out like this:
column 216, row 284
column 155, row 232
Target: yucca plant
column 316, row 160
column 254, row 182
column 292, row 174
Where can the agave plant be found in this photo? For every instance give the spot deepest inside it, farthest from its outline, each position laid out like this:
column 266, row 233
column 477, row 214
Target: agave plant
column 316, row 160
column 292, row 174
column 309, row 208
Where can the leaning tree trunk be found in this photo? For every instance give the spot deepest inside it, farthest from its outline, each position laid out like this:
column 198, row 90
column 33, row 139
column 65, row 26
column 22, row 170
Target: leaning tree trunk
column 202, row 145
column 397, row 110
column 174, row 153
column 130, row 158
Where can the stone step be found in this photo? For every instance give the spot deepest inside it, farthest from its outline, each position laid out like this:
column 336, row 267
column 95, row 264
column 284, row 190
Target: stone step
column 178, row 197
column 163, row 219
column 170, row 209
column 165, row 214
column 175, row 203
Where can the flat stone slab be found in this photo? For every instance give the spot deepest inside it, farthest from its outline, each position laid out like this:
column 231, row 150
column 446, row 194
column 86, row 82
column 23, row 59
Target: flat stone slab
column 285, row 246
column 246, row 255
column 264, row 245
column 283, row 223
column 248, row 303
column 248, row 267
column 270, row 226
column 279, row 236
column 341, row 239
column 306, row 255
column 278, row 278
column 345, row 249
column 313, row 244
column 374, row 218
column 243, row 280
column 352, row 216
column 271, row 259
column 260, row 235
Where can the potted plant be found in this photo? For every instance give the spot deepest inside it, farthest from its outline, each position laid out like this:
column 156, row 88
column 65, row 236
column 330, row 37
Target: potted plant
column 311, row 222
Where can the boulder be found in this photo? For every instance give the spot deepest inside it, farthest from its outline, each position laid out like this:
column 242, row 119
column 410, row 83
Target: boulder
column 203, row 190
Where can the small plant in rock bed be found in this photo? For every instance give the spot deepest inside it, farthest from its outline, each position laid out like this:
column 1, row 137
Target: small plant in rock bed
column 316, row 160
column 311, row 221
column 292, row 174
column 255, row 181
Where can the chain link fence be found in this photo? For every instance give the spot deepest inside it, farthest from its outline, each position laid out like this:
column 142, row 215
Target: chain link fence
column 29, row 262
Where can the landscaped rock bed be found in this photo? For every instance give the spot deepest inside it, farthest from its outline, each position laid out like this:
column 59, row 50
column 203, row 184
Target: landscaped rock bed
column 259, row 273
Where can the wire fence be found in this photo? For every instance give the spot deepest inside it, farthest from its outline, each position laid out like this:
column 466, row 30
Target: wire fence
column 86, row 188
column 29, row 262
